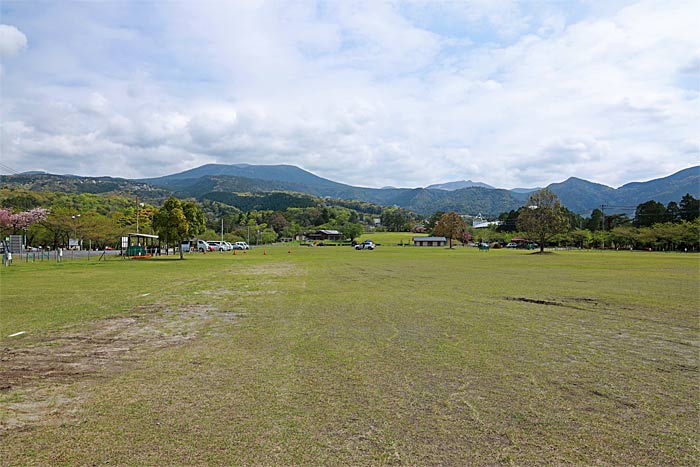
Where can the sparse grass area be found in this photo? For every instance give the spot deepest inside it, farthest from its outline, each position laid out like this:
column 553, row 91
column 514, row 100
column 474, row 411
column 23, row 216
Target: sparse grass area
column 402, row 356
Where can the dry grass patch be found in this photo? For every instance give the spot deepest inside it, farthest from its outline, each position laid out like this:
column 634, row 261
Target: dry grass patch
column 44, row 382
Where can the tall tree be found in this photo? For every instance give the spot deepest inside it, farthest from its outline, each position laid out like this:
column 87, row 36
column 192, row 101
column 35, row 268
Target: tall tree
column 171, row 224
column 673, row 212
column 542, row 217
column 649, row 213
column 689, row 208
column 596, row 221
column 396, row 219
column 195, row 218
column 450, row 225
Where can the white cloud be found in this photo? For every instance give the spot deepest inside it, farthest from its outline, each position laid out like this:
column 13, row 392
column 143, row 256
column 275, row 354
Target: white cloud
column 12, row 41
column 369, row 93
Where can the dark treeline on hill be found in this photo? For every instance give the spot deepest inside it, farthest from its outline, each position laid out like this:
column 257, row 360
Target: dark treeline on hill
column 278, row 201
column 89, row 185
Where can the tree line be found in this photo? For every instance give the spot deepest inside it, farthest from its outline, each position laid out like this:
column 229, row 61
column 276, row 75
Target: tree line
column 675, row 226
column 543, row 220
column 104, row 219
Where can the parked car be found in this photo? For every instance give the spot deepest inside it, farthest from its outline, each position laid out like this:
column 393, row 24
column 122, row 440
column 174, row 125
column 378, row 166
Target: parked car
column 218, row 245
column 196, row 245
column 241, row 246
column 512, row 245
column 366, row 245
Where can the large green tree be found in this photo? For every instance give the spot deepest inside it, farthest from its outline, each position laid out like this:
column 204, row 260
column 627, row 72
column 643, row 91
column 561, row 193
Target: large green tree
column 351, row 231
column 649, row 213
column 175, row 222
column 689, row 208
column 543, row 217
column 195, row 217
column 596, row 221
column 451, row 226
column 396, row 219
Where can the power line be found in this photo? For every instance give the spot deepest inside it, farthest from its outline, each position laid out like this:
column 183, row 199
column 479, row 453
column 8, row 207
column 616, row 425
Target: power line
column 6, row 168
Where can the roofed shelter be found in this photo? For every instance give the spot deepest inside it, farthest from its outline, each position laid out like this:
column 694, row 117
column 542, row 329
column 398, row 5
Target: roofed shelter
column 429, row 241
column 325, row 234
column 140, row 245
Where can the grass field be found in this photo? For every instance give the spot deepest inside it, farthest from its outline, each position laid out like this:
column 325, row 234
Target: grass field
column 331, row 356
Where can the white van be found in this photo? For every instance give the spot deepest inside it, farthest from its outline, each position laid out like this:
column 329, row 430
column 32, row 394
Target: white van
column 196, row 245
column 218, row 245
column 241, row 246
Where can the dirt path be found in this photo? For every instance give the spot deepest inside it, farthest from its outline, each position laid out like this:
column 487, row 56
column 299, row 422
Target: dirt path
column 44, row 383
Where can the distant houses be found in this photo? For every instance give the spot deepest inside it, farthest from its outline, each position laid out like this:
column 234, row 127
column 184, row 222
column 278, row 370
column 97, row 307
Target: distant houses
column 429, row 241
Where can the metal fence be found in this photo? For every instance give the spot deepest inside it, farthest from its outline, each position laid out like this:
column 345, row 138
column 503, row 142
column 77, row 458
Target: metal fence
column 59, row 256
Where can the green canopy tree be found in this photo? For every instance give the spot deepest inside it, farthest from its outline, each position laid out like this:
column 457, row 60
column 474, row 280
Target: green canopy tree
column 542, row 217
column 351, row 231
column 170, row 223
column 56, row 229
column 596, row 221
column 175, row 222
column 689, row 208
column 396, row 219
column 649, row 213
column 195, row 217
column 673, row 212
column 581, row 237
column 450, row 225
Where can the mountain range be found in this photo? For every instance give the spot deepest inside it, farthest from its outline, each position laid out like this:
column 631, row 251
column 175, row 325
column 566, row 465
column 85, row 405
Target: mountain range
column 451, row 186
column 466, row 197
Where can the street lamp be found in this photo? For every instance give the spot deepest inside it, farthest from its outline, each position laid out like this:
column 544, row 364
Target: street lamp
column 75, row 227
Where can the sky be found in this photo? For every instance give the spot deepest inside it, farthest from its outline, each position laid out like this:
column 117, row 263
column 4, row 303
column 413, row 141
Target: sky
column 369, row 93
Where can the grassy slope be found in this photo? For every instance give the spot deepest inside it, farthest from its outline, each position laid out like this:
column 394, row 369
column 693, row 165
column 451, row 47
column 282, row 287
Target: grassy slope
column 399, row 355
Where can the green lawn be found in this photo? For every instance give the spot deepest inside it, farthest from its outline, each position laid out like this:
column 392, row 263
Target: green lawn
column 331, row 356
column 390, row 238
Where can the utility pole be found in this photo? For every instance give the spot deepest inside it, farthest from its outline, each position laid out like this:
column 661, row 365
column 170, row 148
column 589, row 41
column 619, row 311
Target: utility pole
column 137, row 214
column 222, row 230
column 602, row 209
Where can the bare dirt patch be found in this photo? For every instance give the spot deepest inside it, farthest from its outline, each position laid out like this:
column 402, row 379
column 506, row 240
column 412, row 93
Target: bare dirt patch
column 40, row 382
column 542, row 302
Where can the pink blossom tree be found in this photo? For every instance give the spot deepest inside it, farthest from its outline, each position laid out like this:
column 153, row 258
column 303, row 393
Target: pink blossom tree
column 5, row 218
column 21, row 220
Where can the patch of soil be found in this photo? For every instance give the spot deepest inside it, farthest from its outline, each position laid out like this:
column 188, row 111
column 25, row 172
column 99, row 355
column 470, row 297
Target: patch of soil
column 35, row 380
column 565, row 302
column 533, row 300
